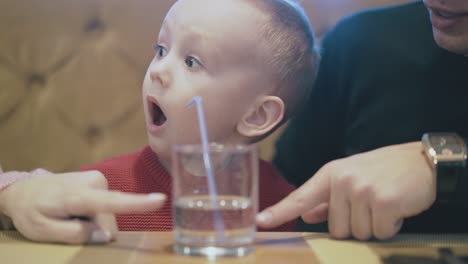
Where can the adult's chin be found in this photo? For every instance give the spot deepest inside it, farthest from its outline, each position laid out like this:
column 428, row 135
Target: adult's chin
column 454, row 44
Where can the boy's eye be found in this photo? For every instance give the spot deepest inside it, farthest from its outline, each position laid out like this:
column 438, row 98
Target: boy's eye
column 192, row 62
column 160, row 50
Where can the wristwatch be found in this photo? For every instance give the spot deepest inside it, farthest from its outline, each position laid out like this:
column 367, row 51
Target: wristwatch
column 446, row 153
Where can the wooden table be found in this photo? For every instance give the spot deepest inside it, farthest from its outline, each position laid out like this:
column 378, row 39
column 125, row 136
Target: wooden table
column 156, row 247
column 148, row 247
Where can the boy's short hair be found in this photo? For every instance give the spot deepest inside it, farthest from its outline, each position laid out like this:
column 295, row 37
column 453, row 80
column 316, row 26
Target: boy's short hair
column 291, row 53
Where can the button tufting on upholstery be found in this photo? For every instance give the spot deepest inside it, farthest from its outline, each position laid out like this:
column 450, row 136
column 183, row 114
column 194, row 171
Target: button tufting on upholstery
column 92, row 134
column 94, row 25
column 36, row 79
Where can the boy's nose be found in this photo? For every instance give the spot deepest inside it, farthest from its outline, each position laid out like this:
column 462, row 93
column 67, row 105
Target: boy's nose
column 157, row 75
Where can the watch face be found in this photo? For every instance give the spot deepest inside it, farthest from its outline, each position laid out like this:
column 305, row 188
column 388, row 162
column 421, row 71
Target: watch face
column 447, row 146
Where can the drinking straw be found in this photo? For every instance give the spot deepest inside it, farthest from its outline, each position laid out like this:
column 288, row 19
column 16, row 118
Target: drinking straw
column 218, row 221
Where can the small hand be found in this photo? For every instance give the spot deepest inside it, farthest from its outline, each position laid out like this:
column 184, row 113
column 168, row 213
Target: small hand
column 71, row 208
column 363, row 196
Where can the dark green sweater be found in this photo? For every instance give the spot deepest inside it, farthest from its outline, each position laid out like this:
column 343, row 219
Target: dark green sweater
column 383, row 81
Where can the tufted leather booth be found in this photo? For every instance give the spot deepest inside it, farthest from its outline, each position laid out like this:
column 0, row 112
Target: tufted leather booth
column 71, row 72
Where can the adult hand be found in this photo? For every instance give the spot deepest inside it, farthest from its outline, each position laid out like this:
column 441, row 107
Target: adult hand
column 72, row 208
column 365, row 195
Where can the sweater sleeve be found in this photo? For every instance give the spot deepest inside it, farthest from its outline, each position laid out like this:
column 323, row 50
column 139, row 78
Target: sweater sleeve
column 272, row 189
column 10, row 177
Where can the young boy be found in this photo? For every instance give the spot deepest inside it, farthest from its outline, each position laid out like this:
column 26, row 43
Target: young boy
column 252, row 62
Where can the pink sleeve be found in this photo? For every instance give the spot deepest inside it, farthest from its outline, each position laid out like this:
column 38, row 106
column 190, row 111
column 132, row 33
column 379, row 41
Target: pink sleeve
column 7, row 178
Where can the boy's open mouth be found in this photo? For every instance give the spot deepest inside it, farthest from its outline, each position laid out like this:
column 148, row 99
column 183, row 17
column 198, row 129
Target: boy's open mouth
column 157, row 115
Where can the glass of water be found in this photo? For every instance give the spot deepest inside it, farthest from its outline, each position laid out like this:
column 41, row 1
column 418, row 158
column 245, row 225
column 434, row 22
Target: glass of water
column 220, row 223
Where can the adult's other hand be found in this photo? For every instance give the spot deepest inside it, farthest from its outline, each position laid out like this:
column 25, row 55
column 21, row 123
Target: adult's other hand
column 72, row 208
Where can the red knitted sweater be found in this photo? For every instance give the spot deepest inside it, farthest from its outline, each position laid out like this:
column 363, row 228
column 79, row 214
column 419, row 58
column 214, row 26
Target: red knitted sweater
column 141, row 172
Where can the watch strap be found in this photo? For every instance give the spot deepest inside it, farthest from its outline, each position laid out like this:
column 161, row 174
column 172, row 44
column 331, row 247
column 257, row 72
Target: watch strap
column 448, row 176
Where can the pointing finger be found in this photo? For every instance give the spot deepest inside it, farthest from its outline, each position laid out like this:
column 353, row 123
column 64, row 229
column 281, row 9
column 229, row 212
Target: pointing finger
column 101, row 201
column 313, row 193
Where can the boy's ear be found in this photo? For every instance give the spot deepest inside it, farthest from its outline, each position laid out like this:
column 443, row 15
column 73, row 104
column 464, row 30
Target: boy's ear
column 262, row 117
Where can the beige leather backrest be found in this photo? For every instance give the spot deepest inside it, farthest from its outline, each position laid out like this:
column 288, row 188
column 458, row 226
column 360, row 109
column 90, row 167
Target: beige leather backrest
column 71, row 72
